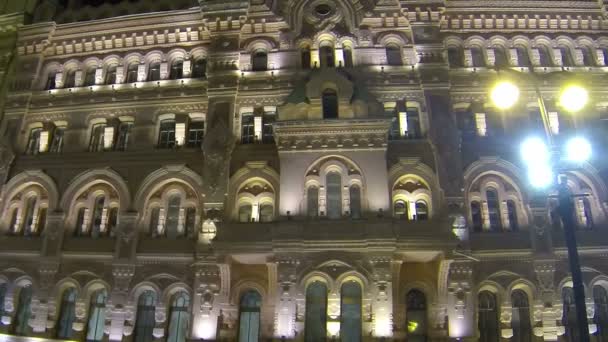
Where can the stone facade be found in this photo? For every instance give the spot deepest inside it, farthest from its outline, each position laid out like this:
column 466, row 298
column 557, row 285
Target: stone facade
column 224, row 159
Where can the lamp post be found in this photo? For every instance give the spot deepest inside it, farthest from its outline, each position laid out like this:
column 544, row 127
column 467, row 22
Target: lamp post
column 541, row 159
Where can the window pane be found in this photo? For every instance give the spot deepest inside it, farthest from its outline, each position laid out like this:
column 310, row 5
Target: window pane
column 330, row 104
column 23, row 314
column 393, row 55
column 315, row 322
column 259, row 61
column 334, row 195
column 154, row 72
column 268, row 120
column 79, row 229
column 600, row 299
column 569, row 320
column 416, row 316
column 96, row 143
column 305, row 55
column 132, row 73
column 422, row 211
column 97, row 216
column 199, row 68
column 30, row 207
column 190, row 221
column 520, row 321
column 33, row 144
column 154, row 217
column 177, row 70
column 493, row 209
column 245, row 213
column 68, row 313
column 355, row 201
column 350, row 312
column 476, row 216
column 326, row 55
column 400, row 209
column 348, row 57
column 172, row 220
column 57, row 141
column 97, row 316
column 266, row 212
column 488, row 318
column 166, row 135
column 124, row 132
column 313, row 201
column 196, row 131
column 249, row 317
column 247, row 129
column 512, row 211
column 145, row 320
column 179, row 319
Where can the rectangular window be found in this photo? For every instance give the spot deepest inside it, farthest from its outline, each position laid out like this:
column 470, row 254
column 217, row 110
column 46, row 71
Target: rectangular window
column 132, row 73
column 124, row 132
column 97, row 137
column 89, row 78
column 57, row 141
column 413, row 123
column 33, row 143
column 267, row 127
column 50, row 82
column 196, row 132
column 166, row 134
column 247, row 129
column 480, row 124
column 111, row 75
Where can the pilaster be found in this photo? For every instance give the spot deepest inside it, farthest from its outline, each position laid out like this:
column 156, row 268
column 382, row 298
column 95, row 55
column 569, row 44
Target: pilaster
column 121, row 319
column 282, row 281
column 460, row 301
column 211, row 289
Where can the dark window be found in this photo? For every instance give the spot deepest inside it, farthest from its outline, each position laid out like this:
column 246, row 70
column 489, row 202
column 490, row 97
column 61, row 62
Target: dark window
column 70, row 79
column 41, row 221
column 249, row 316
column 154, row 71
column 587, row 212
column 145, row 320
column 394, row 132
column 190, row 221
column 315, row 321
column 124, row 133
column 259, row 61
column 57, row 141
column 172, row 219
column 313, row 201
column 196, row 132
column 350, row 312
column 569, row 320
column 50, row 81
column 266, row 213
column 96, row 143
column 520, row 317
column 477, row 57
column 30, row 209
column 400, row 209
column 245, row 211
column 33, row 143
column 545, row 56
column 268, row 120
column 348, row 57
column 111, row 75
column 416, row 316
column 567, row 59
column 68, row 314
column 512, row 212
column 393, row 55
column 355, row 201
column 455, row 58
column 79, row 229
column 112, row 221
column 247, row 129
column 13, row 229
column 305, row 58
column 326, row 56
column 523, row 58
column 476, row 216
column 97, row 216
column 488, row 317
column 22, row 317
column 177, row 70
column 600, row 299
column 493, row 209
column 588, row 59
column 413, row 123
column 330, row 104
column 422, row 211
column 166, row 134
column 132, row 70
column 154, row 217
column 500, row 57
column 89, row 77
column 334, row 195
column 200, row 68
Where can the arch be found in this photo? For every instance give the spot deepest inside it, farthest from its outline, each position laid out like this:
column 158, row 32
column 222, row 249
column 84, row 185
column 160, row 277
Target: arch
column 167, row 174
column 173, row 289
column 65, row 284
column 521, row 318
column 253, row 173
column 392, row 37
column 179, row 316
column 259, row 43
column 316, row 275
column 92, row 177
column 315, row 321
column 351, row 300
column 245, row 285
column 416, row 304
column 25, row 179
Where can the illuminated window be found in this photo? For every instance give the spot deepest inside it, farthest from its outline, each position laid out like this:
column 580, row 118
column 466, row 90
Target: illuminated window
column 315, row 321
column 22, row 317
column 154, row 71
column 334, row 195
column 166, row 134
column 330, row 104
column 326, row 56
column 249, row 316
column 145, row 320
column 493, row 209
column 350, row 311
column 97, row 316
column 393, row 55
column 179, row 318
column 400, row 209
column 177, row 70
column 355, row 201
column 600, row 300
column 68, row 314
column 520, row 317
column 488, row 317
column 416, row 316
column 96, row 142
column 259, row 61
column 33, row 143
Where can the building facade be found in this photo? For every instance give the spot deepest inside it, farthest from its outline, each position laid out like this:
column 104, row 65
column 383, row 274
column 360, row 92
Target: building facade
column 296, row 170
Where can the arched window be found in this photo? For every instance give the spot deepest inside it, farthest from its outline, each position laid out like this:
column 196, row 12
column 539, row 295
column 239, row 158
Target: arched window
column 89, row 77
column 110, row 75
column 96, row 142
column 33, row 142
column 13, row 228
column 326, row 56
column 97, row 316
column 520, row 318
column 3, row 288
column 81, row 229
column 68, row 313
column 179, row 318
column 600, row 300
column 588, row 216
column 97, row 216
column 493, row 209
column 199, row 68
column 266, row 212
column 259, row 60
column 145, row 320
column 315, row 321
column 476, row 217
column 50, row 81
column 313, row 201
column 30, row 208
column 172, row 221
column 422, row 211
column 545, row 56
column 347, row 55
column 567, row 59
column 350, row 311
column 500, row 57
column 393, row 55
column 455, row 57
column 588, row 59
column 488, row 317
column 477, row 57
column 523, row 58
column 154, row 71
column 70, row 79
column 305, row 59
column 112, row 221
column 245, row 211
column 512, row 214
column 400, row 209
column 166, row 134
column 334, row 195
column 249, row 316
column 132, row 72
column 416, row 316
column 23, row 314
column 154, row 221
column 569, row 320
column 177, row 69
column 355, row 201
column 330, row 104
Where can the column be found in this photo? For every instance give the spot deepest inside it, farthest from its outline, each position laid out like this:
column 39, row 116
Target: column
column 285, row 275
column 382, row 296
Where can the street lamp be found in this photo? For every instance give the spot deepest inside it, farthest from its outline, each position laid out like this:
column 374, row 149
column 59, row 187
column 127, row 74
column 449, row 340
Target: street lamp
column 541, row 158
